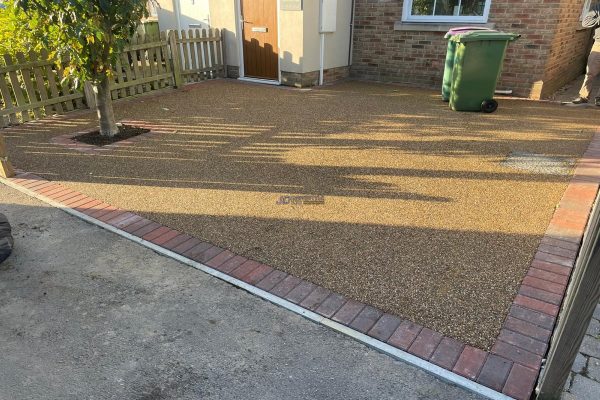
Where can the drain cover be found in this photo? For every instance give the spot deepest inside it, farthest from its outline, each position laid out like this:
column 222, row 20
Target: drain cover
column 539, row 163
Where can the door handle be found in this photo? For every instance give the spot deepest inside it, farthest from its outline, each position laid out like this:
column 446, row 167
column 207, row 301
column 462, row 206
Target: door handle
column 262, row 29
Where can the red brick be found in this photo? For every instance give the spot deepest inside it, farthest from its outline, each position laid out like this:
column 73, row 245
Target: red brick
column 55, row 191
column 569, row 235
column 136, row 225
column 42, row 186
column 54, row 188
column 348, row 312
column 75, row 199
column 528, row 329
column 286, row 286
column 447, row 353
column 366, row 319
column 87, row 205
column 543, row 284
column 549, row 276
column 67, row 195
column 147, row 229
column 58, row 193
column 111, row 215
column 522, row 341
column 103, row 211
column 315, row 298
column 161, row 240
column 219, row 259
column 244, row 269
column 567, row 262
column 535, row 317
column 520, row 382
column 271, row 280
column 405, row 335
column 131, row 218
column 207, row 254
column 258, row 274
column 517, row 354
column 550, row 267
column 331, row 305
column 540, row 294
column 300, row 292
column 197, row 250
column 231, row 264
column 185, row 246
column 176, row 241
column 95, row 209
column 470, row 362
column 536, row 305
column 81, row 202
column 549, row 242
column 385, row 327
column 558, row 251
column 156, row 233
column 494, row 372
column 425, row 343
column 31, row 185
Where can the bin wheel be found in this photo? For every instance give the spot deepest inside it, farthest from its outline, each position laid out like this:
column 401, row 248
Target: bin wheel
column 489, row 106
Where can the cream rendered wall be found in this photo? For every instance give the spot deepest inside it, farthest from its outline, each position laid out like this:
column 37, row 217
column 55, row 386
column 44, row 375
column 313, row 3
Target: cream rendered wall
column 337, row 44
column 223, row 16
column 291, row 41
column 166, row 15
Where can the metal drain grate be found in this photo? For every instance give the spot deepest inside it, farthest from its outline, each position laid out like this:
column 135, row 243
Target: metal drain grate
column 539, row 163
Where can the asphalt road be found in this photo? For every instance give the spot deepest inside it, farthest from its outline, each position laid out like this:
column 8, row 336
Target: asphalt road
column 86, row 314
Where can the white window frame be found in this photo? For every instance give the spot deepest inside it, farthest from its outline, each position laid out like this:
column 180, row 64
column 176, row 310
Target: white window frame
column 408, row 17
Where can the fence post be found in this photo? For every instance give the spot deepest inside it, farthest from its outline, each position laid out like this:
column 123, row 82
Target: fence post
column 90, row 97
column 6, row 170
column 175, row 58
column 581, row 300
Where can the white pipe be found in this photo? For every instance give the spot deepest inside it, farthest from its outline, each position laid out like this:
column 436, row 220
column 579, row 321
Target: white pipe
column 177, row 12
column 322, row 61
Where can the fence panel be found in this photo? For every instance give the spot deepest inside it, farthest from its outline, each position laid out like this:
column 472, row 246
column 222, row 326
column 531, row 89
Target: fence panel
column 32, row 85
column 200, row 54
column 31, row 88
column 142, row 67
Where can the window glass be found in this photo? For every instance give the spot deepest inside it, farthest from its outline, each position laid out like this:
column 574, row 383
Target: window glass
column 448, row 7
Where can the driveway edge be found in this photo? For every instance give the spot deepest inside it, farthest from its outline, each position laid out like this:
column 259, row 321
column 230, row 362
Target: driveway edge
column 509, row 370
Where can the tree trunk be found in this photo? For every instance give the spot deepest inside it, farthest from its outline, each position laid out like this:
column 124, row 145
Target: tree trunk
column 106, row 115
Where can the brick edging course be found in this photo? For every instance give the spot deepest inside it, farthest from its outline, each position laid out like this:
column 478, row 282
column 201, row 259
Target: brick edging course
column 513, row 364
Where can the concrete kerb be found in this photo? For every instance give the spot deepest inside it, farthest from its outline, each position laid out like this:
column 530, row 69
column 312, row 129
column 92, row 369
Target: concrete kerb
column 380, row 346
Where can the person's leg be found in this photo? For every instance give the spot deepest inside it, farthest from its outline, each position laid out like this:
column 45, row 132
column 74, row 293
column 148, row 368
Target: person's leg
column 592, row 70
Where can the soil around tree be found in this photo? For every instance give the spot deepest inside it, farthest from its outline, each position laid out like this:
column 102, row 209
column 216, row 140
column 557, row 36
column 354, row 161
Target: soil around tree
column 125, row 132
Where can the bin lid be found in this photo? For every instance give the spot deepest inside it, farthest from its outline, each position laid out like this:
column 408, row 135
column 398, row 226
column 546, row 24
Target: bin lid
column 464, row 29
column 476, row 36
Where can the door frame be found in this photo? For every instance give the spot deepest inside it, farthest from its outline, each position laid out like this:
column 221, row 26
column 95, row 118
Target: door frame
column 238, row 26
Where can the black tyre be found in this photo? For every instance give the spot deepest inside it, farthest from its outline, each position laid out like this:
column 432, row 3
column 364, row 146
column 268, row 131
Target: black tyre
column 489, row 106
column 6, row 240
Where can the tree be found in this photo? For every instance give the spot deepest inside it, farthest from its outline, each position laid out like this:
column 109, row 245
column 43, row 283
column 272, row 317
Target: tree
column 18, row 31
column 91, row 33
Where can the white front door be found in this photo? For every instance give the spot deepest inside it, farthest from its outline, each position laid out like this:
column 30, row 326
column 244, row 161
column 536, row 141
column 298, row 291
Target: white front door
column 194, row 14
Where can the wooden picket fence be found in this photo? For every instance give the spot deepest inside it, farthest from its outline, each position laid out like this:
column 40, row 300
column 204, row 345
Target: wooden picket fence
column 198, row 54
column 143, row 66
column 31, row 86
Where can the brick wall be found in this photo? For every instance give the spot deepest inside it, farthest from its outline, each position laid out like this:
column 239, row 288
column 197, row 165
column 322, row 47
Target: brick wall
column 417, row 58
column 569, row 49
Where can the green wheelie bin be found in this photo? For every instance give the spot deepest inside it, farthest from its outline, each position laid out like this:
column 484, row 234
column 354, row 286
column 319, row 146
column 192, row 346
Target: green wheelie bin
column 477, row 66
column 450, row 55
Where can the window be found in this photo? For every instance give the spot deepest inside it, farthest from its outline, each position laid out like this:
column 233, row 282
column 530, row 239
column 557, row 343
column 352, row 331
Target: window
column 446, row 10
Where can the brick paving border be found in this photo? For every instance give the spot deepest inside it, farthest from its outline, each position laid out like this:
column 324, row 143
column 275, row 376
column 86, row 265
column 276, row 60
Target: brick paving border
column 513, row 364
